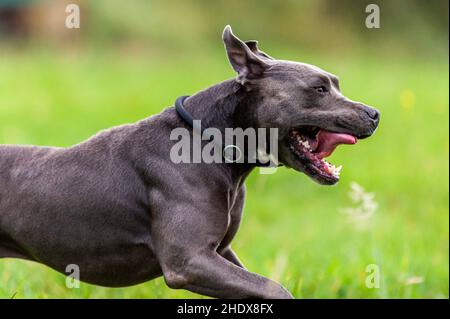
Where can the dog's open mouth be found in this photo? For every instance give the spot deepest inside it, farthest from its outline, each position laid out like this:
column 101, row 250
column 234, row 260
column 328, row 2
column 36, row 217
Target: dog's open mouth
column 312, row 145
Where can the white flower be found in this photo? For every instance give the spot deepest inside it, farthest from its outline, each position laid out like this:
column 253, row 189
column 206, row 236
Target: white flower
column 364, row 205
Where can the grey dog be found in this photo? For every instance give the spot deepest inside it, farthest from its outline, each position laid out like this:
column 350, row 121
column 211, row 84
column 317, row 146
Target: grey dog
column 120, row 209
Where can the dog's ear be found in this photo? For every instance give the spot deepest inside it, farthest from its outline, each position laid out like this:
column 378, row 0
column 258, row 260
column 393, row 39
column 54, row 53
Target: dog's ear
column 253, row 46
column 244, row 61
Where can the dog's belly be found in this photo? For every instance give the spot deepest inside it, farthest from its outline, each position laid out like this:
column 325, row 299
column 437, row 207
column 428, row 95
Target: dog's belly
column 116, row 266
column 79, row 214
column 115, row 252
column 113, row 265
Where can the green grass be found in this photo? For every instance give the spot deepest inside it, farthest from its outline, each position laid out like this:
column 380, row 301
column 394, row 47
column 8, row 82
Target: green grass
column 293, row 230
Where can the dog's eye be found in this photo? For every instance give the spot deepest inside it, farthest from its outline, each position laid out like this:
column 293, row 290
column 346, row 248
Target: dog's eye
column 321, row 89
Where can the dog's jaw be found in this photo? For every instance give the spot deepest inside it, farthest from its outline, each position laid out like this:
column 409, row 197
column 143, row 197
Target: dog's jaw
column 306, row 148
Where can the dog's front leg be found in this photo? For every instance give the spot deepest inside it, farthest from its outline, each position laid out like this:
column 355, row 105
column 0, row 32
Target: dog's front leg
column 230, row 255
column 185, row 239
column 210, row 274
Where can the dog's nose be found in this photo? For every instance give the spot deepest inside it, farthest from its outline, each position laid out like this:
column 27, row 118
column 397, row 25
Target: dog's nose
column 374, row 115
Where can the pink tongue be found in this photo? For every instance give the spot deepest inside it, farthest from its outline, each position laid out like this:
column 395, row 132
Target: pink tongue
column 327, row 142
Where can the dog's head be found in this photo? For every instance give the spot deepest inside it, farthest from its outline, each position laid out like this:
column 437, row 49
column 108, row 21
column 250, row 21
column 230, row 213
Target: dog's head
column 304, row 103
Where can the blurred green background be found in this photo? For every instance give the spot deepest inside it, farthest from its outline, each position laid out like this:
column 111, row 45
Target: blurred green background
column 130, row 60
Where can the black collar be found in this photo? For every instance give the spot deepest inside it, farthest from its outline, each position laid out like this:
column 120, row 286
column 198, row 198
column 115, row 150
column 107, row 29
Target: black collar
column 182, row 112
column 187, row 117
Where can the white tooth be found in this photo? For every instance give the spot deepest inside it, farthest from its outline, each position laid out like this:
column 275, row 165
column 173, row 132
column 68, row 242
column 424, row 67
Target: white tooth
column 307, row 144
column 336, row 171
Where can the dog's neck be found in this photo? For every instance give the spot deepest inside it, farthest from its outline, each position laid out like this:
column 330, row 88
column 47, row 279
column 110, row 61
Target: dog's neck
column 216, row 107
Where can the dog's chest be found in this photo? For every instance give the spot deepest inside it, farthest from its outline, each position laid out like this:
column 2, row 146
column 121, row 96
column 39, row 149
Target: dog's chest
column 234, row 215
